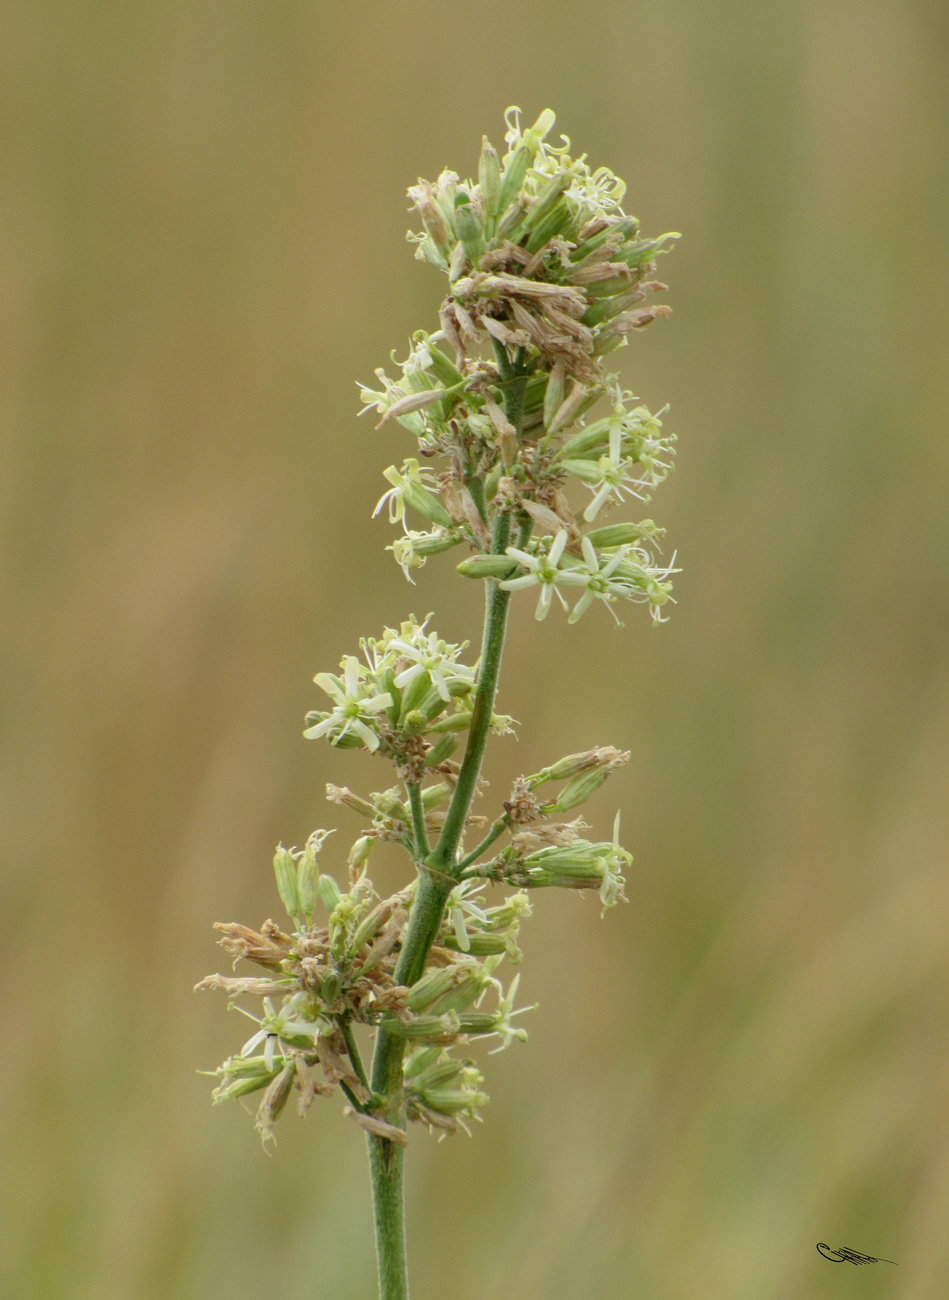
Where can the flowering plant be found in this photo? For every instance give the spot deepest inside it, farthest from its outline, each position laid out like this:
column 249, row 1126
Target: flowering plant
column 546, row 277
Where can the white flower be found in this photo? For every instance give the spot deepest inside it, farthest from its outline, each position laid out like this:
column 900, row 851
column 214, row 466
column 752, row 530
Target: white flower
column 597, row 575
column 429, row 654
column 504, row 1029
column 614, row 476
column 545, row 571
column 278, row 1031
column 355, row 709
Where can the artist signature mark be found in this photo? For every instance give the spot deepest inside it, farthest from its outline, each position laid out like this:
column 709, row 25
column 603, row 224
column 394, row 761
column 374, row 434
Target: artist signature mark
column 843, row 1255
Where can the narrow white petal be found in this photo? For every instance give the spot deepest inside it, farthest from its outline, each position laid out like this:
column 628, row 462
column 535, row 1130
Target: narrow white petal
column 321, row 728
column 593, row 509
column 409, row 675
column 351, row 673
column 581, row 607
column 560, row 541
column 369, row 739
column 519, row 584
column 616, row 434
column 529, row 561
column 377, row 703
column 253, row 1042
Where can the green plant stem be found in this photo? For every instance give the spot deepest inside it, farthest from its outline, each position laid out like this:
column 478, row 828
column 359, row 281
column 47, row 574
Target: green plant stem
column 418, row 819
column 437, row 878
column 385, row 1168
column 349, row 1038
column 495, row 833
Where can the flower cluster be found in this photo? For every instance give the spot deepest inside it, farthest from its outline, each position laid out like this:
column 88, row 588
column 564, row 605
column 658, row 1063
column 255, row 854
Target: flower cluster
column 341, row 973
column 547, row 275
column 331, row 976
column 409, row 700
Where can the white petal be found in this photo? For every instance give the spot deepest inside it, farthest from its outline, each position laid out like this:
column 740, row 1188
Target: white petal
column 377, row 703
column 543, row 604
column 519, row 584
column 369, row 739
column 581, row 607
column 320, row 729
column 409, row 675
column 528, row 561
column 352, row 675
column 593, row 509
column 560, row 541
column 589, row 554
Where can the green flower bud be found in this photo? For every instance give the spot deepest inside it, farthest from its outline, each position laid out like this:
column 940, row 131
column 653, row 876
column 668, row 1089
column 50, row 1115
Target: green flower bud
column 513, row 177
column 486, row 566
column 478, row 1022
column 617, row 535
column 359, row 853
column 329, row 892
column 415, row 723
column 438, row 1072
column 546, row 201
column 432, row 985
column 479, row 945
column 422, row 1027
column 590, row 439
column 435, row 795
column 469, row 229
column 307, row 882
column 369, row 926
column 416, row 691
column 556, row 391
column 581, row 788
column 451, row 1101
column 459, row 721
column 441, row 750
column 285, row 869
column 461, row 996
column 420, row 1060
column 243, row 1075
column 489, row 182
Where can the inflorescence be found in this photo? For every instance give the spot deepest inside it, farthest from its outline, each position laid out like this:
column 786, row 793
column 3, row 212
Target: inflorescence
column 547, row 276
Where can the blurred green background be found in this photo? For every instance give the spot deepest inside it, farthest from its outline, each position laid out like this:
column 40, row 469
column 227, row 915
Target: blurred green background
column 201, row 248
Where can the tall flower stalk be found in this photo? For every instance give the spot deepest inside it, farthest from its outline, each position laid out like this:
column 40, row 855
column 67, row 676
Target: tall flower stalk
column 546, row 277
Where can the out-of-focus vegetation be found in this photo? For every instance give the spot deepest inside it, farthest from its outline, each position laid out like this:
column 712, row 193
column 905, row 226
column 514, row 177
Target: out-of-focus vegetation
column 201, row 248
